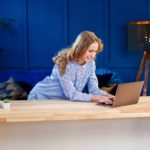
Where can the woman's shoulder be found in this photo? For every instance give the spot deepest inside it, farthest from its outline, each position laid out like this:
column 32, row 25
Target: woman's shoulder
column 91, row 63
column 91, row 66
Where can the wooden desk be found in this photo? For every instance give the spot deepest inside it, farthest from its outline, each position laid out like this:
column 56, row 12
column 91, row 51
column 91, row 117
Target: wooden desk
column 27, row 111
column 65, row 125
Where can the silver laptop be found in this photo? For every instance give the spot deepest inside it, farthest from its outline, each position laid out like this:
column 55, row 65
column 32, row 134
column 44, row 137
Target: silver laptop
column 127, row 93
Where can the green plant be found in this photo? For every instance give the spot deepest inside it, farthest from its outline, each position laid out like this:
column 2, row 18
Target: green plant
column 6, row 101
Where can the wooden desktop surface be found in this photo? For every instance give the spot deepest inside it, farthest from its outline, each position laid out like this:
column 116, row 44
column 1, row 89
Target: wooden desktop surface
column 29, row 111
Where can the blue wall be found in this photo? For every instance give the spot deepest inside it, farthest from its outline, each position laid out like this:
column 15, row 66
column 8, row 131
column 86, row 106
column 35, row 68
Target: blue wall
column 42, row 27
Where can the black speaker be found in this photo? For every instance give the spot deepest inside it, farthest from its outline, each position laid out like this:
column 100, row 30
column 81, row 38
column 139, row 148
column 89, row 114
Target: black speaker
column 139, row 36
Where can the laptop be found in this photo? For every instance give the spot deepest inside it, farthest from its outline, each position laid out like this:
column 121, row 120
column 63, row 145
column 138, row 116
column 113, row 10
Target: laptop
column 127, row 94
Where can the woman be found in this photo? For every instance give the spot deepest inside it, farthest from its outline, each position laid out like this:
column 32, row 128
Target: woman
column 74, row 68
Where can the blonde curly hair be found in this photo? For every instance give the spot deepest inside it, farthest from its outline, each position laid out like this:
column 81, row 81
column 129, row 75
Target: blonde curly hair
column 77, row 50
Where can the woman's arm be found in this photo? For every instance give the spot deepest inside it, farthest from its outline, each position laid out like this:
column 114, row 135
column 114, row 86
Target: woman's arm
column 93, row 83
column 72, row 94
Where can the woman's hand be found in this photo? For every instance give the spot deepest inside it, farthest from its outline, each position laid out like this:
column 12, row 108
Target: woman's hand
column 103, row 99
column 111, row 97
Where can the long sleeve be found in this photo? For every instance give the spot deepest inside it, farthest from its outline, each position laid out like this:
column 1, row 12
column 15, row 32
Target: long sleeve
column 93, row 83
column 68, row 87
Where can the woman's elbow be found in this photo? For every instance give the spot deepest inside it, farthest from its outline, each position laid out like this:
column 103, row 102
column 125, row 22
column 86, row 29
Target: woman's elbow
column 71, row 96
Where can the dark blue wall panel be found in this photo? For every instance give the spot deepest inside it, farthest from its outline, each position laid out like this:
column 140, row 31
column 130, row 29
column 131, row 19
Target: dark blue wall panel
column 46, row 21
column 12, row 39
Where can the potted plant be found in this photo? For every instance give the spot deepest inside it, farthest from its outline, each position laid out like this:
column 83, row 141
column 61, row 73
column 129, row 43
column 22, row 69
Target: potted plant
column 6, row 103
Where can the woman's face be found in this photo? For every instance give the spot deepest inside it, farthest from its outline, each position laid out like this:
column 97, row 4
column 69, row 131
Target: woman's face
column 90, row 54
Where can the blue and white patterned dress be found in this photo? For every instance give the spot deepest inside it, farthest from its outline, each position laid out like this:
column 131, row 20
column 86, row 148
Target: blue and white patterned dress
column 70, row 85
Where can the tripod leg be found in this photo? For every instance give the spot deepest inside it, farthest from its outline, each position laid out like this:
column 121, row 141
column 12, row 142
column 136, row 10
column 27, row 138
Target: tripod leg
column 141, row 66
column 146, row 77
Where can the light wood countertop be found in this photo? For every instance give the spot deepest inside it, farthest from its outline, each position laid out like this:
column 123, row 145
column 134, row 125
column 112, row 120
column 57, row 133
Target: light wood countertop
column 28, row 111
